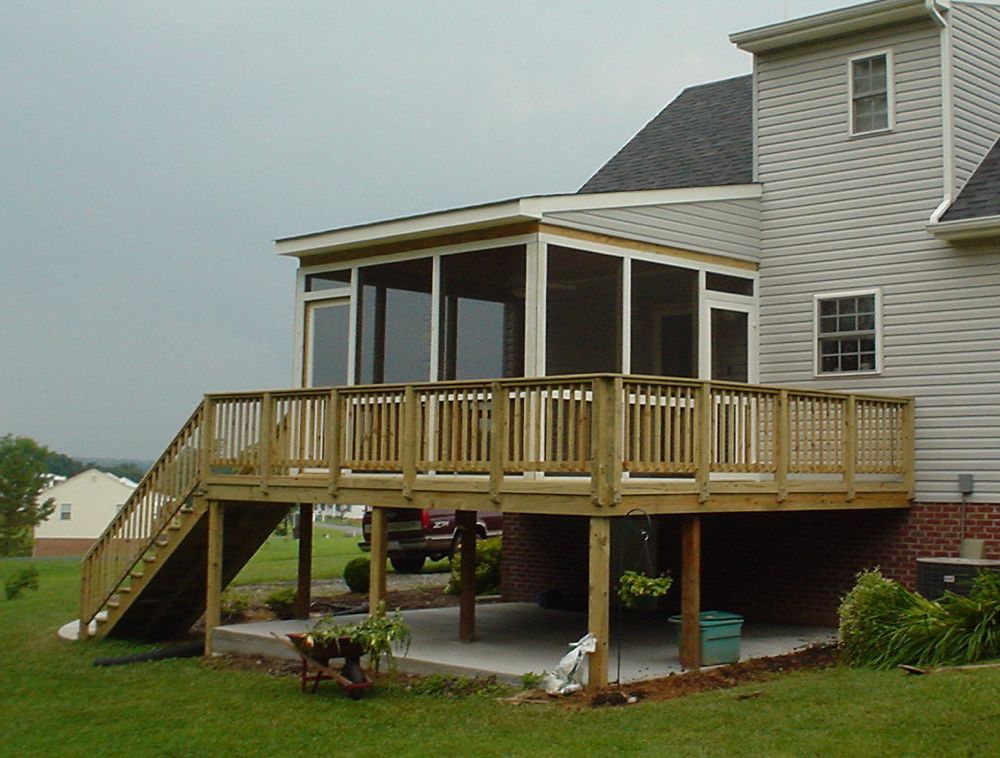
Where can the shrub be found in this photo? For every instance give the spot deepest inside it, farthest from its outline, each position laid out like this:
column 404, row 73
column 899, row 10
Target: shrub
column 235, row 604
column 23, row 579
column 282, row 602
column 357, row 574
column 378, row 633
column 487, row 568
column 882, row 624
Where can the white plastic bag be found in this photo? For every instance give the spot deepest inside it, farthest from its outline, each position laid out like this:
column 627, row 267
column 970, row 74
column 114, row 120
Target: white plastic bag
column 565, row 677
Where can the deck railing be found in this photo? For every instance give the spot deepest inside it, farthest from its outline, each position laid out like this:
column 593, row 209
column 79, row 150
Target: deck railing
column 608, row 428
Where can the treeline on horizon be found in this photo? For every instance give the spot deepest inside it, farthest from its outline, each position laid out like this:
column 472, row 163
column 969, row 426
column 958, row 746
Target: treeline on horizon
column 64, row 465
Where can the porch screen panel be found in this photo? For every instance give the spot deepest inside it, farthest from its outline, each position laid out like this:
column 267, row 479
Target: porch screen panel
column 583, row 323
column 394, row 322
column 328, row 341
column 482, row 314
column 664, row 320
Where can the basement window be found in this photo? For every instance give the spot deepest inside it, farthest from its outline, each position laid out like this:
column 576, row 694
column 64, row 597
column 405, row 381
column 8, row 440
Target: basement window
column 870, row 80
column 848, row 326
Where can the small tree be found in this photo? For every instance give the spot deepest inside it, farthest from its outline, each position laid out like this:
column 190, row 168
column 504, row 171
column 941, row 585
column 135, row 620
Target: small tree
column 22, row 478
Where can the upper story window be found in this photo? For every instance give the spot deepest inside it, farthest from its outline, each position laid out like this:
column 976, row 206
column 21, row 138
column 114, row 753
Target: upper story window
column 871, row 93
column 65, row 512
column 848, row 338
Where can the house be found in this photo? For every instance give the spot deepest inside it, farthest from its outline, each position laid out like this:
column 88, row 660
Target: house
column 768, row 324
column 84, row 506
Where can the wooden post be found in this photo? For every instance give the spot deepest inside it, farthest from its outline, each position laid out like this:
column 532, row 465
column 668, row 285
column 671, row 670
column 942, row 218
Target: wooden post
column 303, row 595
column 704, row 444
column 213, row 582
column 409, row 452
column 466, row 523
column 690, row 648
column 264, row 443
column 379, row 554
column 909, row 449
column 597, row 601
column 850, row 444
column 498, row 438
column 86, row 568
column 782, row 447
column 606, row 469
column 334, row 434
column 207, row 440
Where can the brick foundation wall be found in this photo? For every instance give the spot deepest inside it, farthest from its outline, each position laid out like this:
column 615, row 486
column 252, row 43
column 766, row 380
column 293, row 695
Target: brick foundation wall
column 786, row 567
column 57, row 547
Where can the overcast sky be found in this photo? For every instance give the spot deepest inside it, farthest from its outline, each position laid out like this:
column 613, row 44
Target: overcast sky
column 151, row 152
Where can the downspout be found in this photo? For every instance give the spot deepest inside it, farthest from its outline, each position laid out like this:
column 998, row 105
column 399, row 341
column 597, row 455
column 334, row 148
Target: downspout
column 934, row 8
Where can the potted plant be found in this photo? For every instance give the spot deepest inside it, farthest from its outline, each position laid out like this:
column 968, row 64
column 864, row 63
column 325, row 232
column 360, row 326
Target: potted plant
column 377, row 635
column 638, row 590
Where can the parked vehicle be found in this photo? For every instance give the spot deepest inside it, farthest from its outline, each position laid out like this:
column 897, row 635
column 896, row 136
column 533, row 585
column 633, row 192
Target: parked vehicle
column 416, row 535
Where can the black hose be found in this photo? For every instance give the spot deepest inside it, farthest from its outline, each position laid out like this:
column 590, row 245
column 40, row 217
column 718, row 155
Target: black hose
column 187, row 650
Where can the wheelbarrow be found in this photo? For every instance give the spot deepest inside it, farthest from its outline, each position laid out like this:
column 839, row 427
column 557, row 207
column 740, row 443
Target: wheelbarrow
column 316, row 658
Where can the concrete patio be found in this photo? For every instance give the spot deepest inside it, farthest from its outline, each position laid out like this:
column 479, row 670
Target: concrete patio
column 515, row 638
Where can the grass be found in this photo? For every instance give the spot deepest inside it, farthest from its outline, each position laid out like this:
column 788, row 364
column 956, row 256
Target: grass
column 278, row 558
column 56, row 703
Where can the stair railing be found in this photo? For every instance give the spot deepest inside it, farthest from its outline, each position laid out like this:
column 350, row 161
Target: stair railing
column 133, row 531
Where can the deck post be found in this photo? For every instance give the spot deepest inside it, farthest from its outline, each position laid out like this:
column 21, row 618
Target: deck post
column 703, row 445
column 213, row 581
column 409, row 452
column 909, row 449
column 606, row 472
column 206, row 438
column 690, row 647
column 379, row 554
column 333, row 437
column 303, row 595
column 498, row 438
column 597, row 601
column 466, row 523
column 850, row 445
column 782, row 446
column 264, row 448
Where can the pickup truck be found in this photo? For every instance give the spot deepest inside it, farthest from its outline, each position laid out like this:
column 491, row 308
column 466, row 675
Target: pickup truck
column 415, row 535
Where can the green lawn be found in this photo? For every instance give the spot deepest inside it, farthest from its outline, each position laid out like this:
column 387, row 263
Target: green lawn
column 56, row 703
column 278, row 558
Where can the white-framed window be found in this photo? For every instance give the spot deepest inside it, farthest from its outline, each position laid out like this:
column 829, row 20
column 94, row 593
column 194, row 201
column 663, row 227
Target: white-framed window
column 65, row 511
column 848, row 328
column 870, row 85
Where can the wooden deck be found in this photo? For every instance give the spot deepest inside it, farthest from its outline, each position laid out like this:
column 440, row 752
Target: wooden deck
column 595, row 445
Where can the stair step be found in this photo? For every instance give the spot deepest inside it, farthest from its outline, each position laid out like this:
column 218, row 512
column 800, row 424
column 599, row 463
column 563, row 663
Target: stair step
column 173, row 527
column 124, row 590
column 135, row 574
column 113, row 603
column 162, row 542
column 149, row 558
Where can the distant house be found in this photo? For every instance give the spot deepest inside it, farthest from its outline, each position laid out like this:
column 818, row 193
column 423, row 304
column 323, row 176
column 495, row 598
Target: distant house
column 85, row 505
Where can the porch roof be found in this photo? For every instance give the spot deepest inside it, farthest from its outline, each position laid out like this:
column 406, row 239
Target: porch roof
column 502, row 213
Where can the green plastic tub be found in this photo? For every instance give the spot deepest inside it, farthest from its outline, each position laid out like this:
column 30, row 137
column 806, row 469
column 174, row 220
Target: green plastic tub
column 720, row 636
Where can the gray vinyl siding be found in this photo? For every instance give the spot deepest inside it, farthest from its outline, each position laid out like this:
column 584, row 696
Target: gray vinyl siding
column 976, row 81
column 723, row 227
column 841, row 213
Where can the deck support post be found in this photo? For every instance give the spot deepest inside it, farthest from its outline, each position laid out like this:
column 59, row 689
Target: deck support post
column 379, row 555
column 303, row 595
column 213, row 582
column 597, row 601
column 690, row 647
column 466, row 523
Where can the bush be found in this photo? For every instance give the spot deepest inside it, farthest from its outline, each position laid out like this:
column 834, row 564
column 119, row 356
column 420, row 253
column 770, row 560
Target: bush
column 235, row 604
column 357, row 574
column 23, row 579
column 882, row 624
column 487, row 568
column 282, row 602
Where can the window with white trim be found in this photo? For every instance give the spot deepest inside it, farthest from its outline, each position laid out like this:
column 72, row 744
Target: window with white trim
column 871, row 96
column 65, row 511
column 847, row 333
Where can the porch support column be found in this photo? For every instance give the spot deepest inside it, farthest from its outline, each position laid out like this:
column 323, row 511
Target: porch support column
column 597, row 602
column 466, row 523
column 379, row 555
column 213, row 581
column 690, row 648
column 303, row 595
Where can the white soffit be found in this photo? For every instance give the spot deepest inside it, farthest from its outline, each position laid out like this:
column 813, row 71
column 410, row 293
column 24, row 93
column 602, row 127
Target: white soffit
column 834, row 23
column 500, row 213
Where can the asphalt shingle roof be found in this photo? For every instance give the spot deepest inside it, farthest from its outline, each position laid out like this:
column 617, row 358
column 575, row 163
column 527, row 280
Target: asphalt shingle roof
column 981, row 194
column 703, row 138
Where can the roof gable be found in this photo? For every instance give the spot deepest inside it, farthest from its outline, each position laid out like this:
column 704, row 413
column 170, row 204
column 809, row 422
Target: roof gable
column 704, row 137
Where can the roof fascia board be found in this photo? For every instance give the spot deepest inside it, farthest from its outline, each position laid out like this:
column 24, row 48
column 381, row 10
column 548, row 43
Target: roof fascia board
column 500, row 213
column 833, row 24
column 965, row 229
